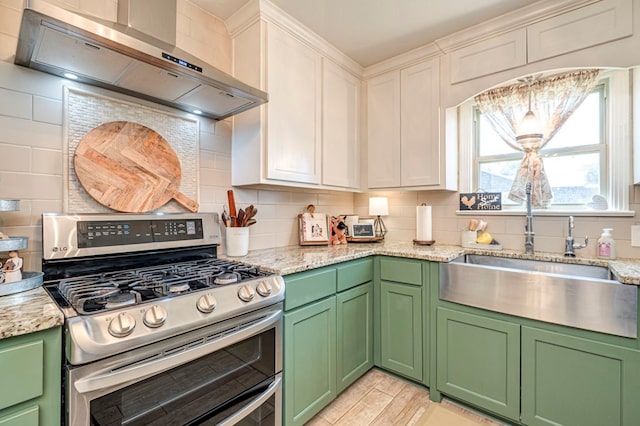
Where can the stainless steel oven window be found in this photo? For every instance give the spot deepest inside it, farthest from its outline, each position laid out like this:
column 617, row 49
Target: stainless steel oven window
column 229, row 372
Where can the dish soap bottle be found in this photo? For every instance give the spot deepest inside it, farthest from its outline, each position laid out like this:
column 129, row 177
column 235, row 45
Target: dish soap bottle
column 606, row 245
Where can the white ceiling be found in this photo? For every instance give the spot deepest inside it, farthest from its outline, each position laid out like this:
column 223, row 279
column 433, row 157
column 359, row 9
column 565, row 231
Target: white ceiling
column 369, row 31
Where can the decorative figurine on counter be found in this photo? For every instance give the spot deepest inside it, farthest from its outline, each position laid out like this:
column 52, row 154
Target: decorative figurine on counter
column 12, row 268
column 338, row 230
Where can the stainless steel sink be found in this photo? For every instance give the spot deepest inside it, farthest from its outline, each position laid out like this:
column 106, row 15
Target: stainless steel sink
column 581, row 296
column 586, row 271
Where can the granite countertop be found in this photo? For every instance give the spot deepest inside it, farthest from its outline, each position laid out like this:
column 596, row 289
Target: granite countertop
column 292, row 259
column 33, row 310
column 28, row 312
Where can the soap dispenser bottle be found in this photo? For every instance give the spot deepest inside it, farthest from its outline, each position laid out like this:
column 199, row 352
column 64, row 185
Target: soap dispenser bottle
column 606, row 245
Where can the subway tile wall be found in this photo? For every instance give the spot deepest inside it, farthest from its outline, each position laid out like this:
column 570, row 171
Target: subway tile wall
column 31, row 170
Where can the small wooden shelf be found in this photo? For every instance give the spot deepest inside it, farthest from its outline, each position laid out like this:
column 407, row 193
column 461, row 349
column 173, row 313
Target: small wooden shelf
column 364, row 240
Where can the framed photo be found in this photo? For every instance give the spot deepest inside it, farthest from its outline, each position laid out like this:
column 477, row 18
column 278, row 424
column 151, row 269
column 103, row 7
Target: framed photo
column 361, row 230
column 314, row 229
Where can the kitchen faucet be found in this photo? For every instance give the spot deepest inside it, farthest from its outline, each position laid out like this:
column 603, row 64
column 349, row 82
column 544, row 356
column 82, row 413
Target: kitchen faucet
column 528, row 227
column 569, row 245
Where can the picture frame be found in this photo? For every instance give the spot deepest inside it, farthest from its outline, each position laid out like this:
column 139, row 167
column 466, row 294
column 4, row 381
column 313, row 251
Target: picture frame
column 313, row 229
column 361, row 230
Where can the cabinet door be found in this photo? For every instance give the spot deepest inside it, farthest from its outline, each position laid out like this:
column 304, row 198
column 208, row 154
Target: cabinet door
column 383, row 128
column 571, row 381
column 401, row 328
column 587, row 26
column 478, row 361
column 355, row 334
column 309, row 360
column 293, row 110
column 420, row 136
column 340, row 127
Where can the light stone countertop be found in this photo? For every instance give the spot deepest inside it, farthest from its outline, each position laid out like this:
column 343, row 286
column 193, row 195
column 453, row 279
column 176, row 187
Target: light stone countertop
column 28, row 312
column 34, row 310
column 292, row 259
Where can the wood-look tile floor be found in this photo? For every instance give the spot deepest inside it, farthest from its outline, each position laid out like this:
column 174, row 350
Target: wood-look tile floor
column 378, row 398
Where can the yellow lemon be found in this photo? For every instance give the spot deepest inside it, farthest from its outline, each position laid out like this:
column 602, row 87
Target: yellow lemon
column 484, row 238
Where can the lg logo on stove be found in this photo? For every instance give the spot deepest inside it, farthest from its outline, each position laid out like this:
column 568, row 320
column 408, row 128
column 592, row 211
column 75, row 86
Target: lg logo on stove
column 57, row 249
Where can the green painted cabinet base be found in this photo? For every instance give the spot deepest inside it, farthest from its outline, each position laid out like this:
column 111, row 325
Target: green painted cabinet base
column 309, row 360
column 354, row 334
column 30, row 370
column 401, row 329
column 572, row 381
column 478, row 361
column 328, row 335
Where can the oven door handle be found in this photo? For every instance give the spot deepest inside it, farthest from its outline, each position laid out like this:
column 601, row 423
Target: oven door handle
column 248, row 409
column 106, row 378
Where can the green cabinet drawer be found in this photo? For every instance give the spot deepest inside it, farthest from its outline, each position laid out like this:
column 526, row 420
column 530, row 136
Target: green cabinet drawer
column 401, row 271
column 355, row 273
column 21, row 370
column 309, row 286
column 26, row 417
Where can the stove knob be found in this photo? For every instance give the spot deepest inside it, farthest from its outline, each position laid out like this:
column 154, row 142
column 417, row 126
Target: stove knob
column 264, row 288
column 206, row 304
column 155, row 316
column 246, row 293
column 122, row 325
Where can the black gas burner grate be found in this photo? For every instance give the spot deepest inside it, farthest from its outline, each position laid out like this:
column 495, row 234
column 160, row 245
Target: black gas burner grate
column 98, row 292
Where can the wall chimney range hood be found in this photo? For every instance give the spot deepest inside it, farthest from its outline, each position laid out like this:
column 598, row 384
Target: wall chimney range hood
column 124, row 57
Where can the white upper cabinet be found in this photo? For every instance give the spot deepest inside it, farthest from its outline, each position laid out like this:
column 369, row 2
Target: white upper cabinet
column 544, row 36
column 340, row 127
column 404, row 145
column 498, row 53
column 588, row 26
column 383, row 130
column 294, row 73
column 420, row 155
column 307, row 135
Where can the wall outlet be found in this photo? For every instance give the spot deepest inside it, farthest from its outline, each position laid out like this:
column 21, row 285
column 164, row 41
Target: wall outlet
column 635, row 236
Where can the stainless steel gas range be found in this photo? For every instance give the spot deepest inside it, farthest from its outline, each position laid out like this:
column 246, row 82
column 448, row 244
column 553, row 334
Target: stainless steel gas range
column 158, row 329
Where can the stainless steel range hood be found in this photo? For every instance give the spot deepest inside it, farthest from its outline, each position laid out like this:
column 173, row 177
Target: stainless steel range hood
column 119, row 57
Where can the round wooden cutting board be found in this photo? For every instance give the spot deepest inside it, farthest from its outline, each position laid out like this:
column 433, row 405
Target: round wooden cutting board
column 130, row 168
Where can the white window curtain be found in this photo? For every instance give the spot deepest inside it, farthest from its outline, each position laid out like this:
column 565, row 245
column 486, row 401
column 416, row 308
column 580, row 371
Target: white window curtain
column 552, row 100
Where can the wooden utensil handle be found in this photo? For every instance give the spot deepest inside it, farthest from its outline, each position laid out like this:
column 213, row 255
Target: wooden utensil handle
column 186, row 202
column 232, row 203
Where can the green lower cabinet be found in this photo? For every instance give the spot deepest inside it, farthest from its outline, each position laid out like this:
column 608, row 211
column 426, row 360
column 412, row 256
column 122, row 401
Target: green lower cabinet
column 572, row 381
column 478, row 361
column 354, row 334
column 30, row 372
column 309, row 360
column 401, row 330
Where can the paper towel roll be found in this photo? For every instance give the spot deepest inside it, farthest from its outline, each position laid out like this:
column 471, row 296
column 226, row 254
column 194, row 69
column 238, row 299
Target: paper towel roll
column 423, row 223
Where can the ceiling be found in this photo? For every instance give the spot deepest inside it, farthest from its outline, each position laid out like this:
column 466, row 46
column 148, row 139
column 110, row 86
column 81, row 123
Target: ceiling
column 369, row 31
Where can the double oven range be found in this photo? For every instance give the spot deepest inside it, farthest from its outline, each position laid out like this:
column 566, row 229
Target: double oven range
column 158, row 329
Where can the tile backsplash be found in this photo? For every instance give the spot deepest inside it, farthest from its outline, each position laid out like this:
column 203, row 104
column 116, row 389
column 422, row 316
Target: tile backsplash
column 32, row 147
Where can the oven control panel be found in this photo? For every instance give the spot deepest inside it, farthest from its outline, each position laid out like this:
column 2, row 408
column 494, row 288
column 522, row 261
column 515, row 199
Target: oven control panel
column 74, row 235
column 124, row 232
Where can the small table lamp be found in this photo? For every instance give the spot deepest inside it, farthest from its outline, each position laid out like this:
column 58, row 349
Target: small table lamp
column 379, row 206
